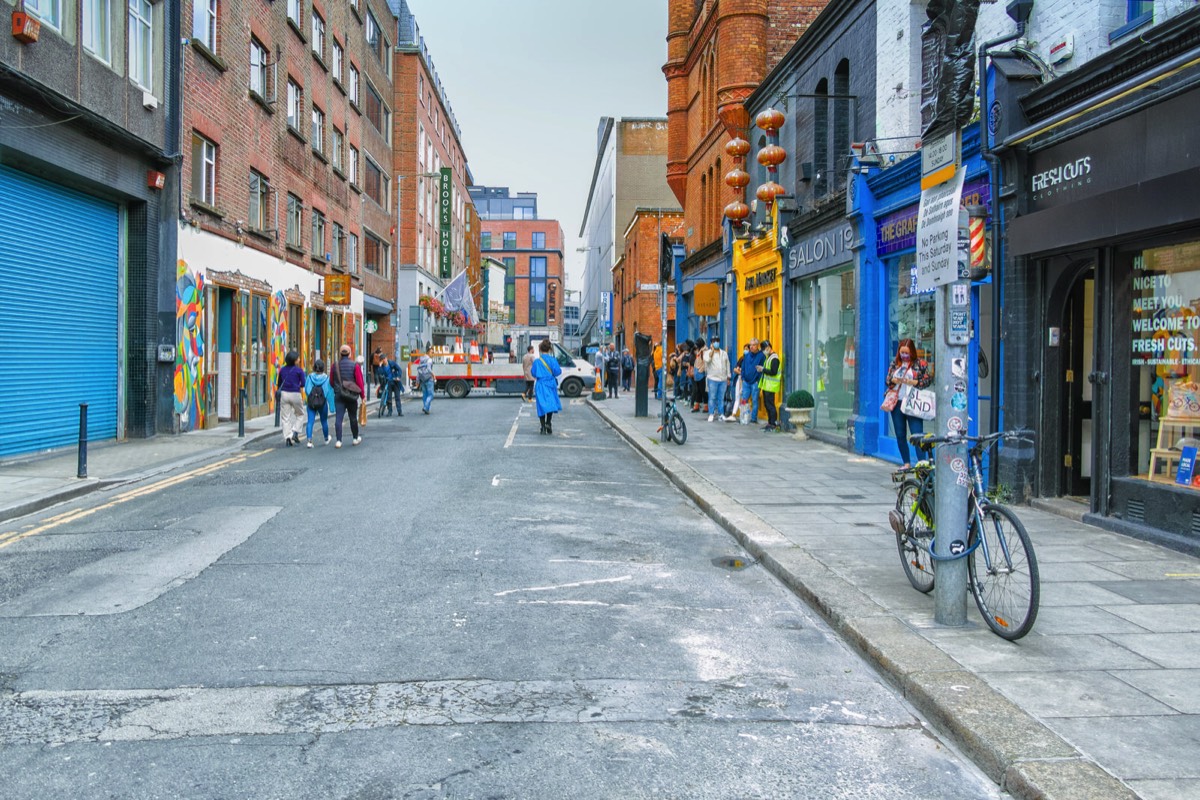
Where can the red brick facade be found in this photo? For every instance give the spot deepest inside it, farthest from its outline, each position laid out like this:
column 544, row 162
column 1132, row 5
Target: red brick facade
column 636, row 310
column 717, row 53
column 520, row 250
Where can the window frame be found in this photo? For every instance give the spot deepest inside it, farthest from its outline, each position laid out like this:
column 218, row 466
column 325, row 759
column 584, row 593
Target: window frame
column 317, row 244
column 204, row 167
column 317, row 29
column 381, row 249
column 539, row 240
column 375, row 182
column 51, row 17
column 298, row 7
column 265, row 93
column 352, row 84
column 318, row 130
column 375, row 100
column 337, row 149
column 509, row 240
column 336, row 235
column 352, row 171
column 295, row 222
column 352, row 252
column 99, row 13
column 295, row 104
column 260, row 193
column 338, row 59
column 141, row 44
column 206, row 33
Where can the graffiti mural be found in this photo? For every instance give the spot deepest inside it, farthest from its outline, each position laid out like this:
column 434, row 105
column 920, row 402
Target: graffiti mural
column 277, row 330
column 189, row 347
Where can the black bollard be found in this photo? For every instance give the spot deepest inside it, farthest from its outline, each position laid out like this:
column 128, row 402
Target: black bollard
column 242, row 413
column 82, row 471
column 277, row 397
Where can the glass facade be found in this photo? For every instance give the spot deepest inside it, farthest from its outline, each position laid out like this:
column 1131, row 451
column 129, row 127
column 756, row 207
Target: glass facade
column 910, row 314
column 824, row 361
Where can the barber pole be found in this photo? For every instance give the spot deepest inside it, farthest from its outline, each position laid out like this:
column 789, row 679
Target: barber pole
column 978, row 229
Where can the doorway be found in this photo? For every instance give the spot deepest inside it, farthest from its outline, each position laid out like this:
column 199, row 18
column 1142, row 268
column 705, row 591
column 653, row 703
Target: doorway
column 1078, row 340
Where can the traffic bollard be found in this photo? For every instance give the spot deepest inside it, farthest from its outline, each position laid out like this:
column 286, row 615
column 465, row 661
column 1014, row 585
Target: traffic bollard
column 242, row 413
column 82, row 470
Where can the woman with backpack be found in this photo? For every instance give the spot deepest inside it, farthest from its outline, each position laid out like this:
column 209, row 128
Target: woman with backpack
column 349, row 388
column 426, row 380
column 319, row 400
column 545, row 375
column 288, row 385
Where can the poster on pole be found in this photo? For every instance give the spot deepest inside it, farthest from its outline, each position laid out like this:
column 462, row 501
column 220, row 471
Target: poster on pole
column 937, row 234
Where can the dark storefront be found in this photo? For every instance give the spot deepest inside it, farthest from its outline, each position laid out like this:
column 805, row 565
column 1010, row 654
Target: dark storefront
column 1103, row 304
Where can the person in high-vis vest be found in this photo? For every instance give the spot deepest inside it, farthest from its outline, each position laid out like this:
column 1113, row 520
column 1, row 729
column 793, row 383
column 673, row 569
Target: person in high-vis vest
column 770, row 383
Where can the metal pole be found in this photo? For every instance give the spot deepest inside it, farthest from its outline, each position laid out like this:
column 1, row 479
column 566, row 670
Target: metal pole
column 951, row 477
column 242, row 410
column 82, row 470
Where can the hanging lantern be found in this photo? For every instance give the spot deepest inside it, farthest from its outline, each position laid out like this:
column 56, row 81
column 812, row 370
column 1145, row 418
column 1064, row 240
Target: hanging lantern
column 770, row 120
column 737, row 148
column 737, row 211
column 769, row 191
column 772, row 156
column 737, row 178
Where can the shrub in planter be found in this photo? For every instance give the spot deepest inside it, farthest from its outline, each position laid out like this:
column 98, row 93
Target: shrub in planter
column 799, row 399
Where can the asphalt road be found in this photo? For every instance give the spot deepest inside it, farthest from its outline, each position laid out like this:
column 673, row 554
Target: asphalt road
column 457, row 608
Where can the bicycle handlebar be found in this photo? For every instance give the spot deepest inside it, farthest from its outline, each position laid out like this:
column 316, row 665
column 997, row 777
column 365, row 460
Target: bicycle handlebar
column 928, row 441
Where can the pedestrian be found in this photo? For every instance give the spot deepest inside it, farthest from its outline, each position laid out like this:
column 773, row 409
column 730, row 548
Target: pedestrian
column 395, row 378
column 658, row 371
column 319, row 398
column 426, row 380
column 612, row 370
column 288, row 387
column 626, row 369
column 527, row 366
column 750, row 371
column 716, row 367
column 699, row 380
column 686, row 363
column 599, row 360
column 770, row 384
column 905, row 375
column 673, row 370
column 545, row 373
column 349, row 389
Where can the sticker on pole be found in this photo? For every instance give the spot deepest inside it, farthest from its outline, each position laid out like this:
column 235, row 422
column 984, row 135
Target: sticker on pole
column 959, row 401
column 958, row 466
column 958, row 367
column 954, row 425
column 958, row 547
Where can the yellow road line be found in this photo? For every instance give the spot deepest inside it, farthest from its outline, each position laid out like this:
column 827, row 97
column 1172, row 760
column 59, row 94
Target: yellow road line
column 57, row 520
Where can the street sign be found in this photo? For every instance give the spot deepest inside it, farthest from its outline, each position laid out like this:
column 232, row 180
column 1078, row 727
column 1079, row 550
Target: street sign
column 937, row 234
column 337, row 290
column 706, row 298
column 649, row 287
column 939, row 159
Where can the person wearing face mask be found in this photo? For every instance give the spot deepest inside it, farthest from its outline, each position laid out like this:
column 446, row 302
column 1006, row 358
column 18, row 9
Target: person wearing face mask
column 906, row 374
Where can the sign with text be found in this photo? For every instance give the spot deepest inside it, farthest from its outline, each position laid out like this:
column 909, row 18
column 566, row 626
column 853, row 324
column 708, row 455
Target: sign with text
column 937, row 234
column 337, row 290
column 1166, row 309
column 706, row 298
column 445, row 224
column 939, row 159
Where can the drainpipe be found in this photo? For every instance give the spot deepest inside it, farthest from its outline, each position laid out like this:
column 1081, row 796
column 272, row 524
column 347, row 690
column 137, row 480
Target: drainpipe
column 1020, row 13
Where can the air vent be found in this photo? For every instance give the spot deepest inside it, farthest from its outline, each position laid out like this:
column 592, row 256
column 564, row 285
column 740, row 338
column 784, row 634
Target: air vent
column 1135, row 511
column 1195, row 523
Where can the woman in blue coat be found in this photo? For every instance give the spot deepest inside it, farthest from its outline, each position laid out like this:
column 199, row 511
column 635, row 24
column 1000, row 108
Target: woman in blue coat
column 545, row 385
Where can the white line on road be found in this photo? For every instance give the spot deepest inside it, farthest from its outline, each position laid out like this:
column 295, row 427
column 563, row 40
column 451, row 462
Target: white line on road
column 597, row 561
column 621, row 579
column 496, row 480
column 573, row 481
column 512, row 433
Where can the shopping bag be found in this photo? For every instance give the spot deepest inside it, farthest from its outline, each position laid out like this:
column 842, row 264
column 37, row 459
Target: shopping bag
column 920, row 403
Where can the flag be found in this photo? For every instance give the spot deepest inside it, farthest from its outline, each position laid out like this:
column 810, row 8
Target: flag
column 457, row 297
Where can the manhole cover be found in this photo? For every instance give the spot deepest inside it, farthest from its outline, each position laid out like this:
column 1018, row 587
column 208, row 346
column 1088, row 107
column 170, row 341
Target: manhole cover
column 254, row 476
column 733, row 563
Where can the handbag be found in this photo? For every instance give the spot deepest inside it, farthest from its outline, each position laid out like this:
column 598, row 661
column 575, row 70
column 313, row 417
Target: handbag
column 346, row 390
column 890, row 399
column 920, row 403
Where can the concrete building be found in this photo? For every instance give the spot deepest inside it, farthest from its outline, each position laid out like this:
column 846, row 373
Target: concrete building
column 89, row 120
column 496, row 202
column 629, row 172
column 287, row 143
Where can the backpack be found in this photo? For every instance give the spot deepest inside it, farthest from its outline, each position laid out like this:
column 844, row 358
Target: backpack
column 316, row 398
column 347, row 389
column 424, row 372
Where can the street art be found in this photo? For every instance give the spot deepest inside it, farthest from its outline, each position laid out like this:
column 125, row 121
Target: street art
column 189, row 347
column 277, row 328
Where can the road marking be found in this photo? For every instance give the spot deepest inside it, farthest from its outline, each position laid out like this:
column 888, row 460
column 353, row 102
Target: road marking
column 575, row 482
column 573, row 447
column 496, row 480
column 57, row 520
column 512, row 433
column 596, row 561
column 622, row 579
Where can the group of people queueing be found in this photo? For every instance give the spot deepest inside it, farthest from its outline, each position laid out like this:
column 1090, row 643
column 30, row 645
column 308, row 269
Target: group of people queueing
column 705, row 379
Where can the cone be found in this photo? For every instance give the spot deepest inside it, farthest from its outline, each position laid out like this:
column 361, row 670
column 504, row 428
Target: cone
column 598, row 389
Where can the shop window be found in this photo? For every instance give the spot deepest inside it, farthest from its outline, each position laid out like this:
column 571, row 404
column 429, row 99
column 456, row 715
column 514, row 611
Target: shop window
column 911, row 314
column 823, row 355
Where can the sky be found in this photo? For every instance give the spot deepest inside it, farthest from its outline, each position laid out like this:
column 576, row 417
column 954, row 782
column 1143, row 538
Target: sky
column 529, row 80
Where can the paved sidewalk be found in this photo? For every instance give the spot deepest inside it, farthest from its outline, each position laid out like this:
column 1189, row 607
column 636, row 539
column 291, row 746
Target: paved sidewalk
column 1100, row 700
column 31, row 483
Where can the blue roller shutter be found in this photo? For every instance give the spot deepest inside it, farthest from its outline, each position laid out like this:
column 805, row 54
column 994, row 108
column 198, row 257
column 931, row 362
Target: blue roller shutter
column 59, row 282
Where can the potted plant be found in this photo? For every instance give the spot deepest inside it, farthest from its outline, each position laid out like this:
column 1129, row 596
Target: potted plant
column 799, row 405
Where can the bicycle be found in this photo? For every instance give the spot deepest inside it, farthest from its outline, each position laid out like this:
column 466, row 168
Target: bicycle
column 673, row 427
column 1002, row 569
column 385, row 397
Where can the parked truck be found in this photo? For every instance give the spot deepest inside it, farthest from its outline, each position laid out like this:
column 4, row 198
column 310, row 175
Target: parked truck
column 458, row 379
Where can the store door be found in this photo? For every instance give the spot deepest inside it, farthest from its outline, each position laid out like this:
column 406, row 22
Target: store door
column 1078, row 344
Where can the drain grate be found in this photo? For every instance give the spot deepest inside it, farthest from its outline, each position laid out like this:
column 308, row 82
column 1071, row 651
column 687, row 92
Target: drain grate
column 1135, row 510
column 732, row 563
column 253, row 476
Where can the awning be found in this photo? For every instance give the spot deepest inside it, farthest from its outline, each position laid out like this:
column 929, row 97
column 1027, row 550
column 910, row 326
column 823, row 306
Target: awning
column 374, row 305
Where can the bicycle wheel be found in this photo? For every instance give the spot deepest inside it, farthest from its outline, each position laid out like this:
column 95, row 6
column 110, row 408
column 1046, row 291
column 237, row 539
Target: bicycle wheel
column 383, row 401
column 1004, row 580
column 913, row 543
column 678, row 428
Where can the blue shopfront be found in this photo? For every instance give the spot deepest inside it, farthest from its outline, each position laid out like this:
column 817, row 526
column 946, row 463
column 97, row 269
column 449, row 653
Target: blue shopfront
column 709, row 265
column 884, row 210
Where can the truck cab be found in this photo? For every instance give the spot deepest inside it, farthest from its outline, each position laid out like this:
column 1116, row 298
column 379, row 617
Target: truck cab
column 577, row 374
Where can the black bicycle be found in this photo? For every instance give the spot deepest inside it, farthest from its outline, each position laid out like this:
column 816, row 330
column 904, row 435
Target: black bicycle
column 673, row 429
column 1001, row 566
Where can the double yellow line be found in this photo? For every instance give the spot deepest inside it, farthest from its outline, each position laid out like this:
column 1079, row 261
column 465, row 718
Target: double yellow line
column 10, row 537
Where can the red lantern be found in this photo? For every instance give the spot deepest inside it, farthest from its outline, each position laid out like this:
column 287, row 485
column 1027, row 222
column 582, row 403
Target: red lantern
column 772, row 155
column 770, row 120
column 737, row 178
column 769, row 191
column 737, row 148
column 737, row 211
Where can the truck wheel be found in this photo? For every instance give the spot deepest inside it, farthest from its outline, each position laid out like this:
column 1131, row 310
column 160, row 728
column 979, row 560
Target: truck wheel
column 457, row 389
column 572, row 387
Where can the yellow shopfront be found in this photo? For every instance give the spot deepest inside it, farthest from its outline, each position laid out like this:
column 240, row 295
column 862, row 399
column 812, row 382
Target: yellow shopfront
column 758, row 276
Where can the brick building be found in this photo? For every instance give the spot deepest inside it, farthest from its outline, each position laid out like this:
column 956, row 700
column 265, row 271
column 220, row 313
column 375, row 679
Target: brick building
column 636, row 309
column 437, row 237
column 287, row 128
column 88, row 124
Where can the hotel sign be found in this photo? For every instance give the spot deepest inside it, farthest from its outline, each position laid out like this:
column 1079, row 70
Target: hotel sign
column 445, row 224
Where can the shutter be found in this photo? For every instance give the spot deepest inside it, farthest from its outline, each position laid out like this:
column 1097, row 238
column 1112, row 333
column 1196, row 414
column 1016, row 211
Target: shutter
column 59, row 282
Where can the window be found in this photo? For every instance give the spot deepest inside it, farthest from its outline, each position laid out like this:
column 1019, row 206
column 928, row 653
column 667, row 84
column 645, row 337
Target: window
column 374, row 254
column 295, row 218
column 48, row 11
column 141, row 43
column 352, row 173
column 510, row 288
column 537, row 302
column 374, row 35
column 338, row 234
column 338, row 149
column 375, row 183
column 510, row 240
column 338, row 56
column 1137, row 14
column 294, row 12
column 377, row 112
column 539, row 241
column 318, row 234
column 354, row 4
column 485, row 240
column 204, row 23
column 841, row 122
column 318, row 130
column 537, row 267
column 352, row 253
column 260, row 188
column 204, row 170
column 295, row 108
column 318, row 35
column 97, row 28
column 820, row 138
column 352, row 86
column 258, row 69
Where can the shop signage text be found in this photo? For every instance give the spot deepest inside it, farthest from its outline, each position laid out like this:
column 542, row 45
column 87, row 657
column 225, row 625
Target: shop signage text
column 1165, row 322
column 445, row 223
column 821, row 250
column 337, row 290
column 1061, row 178
column 761, row 279
column 898, row 231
